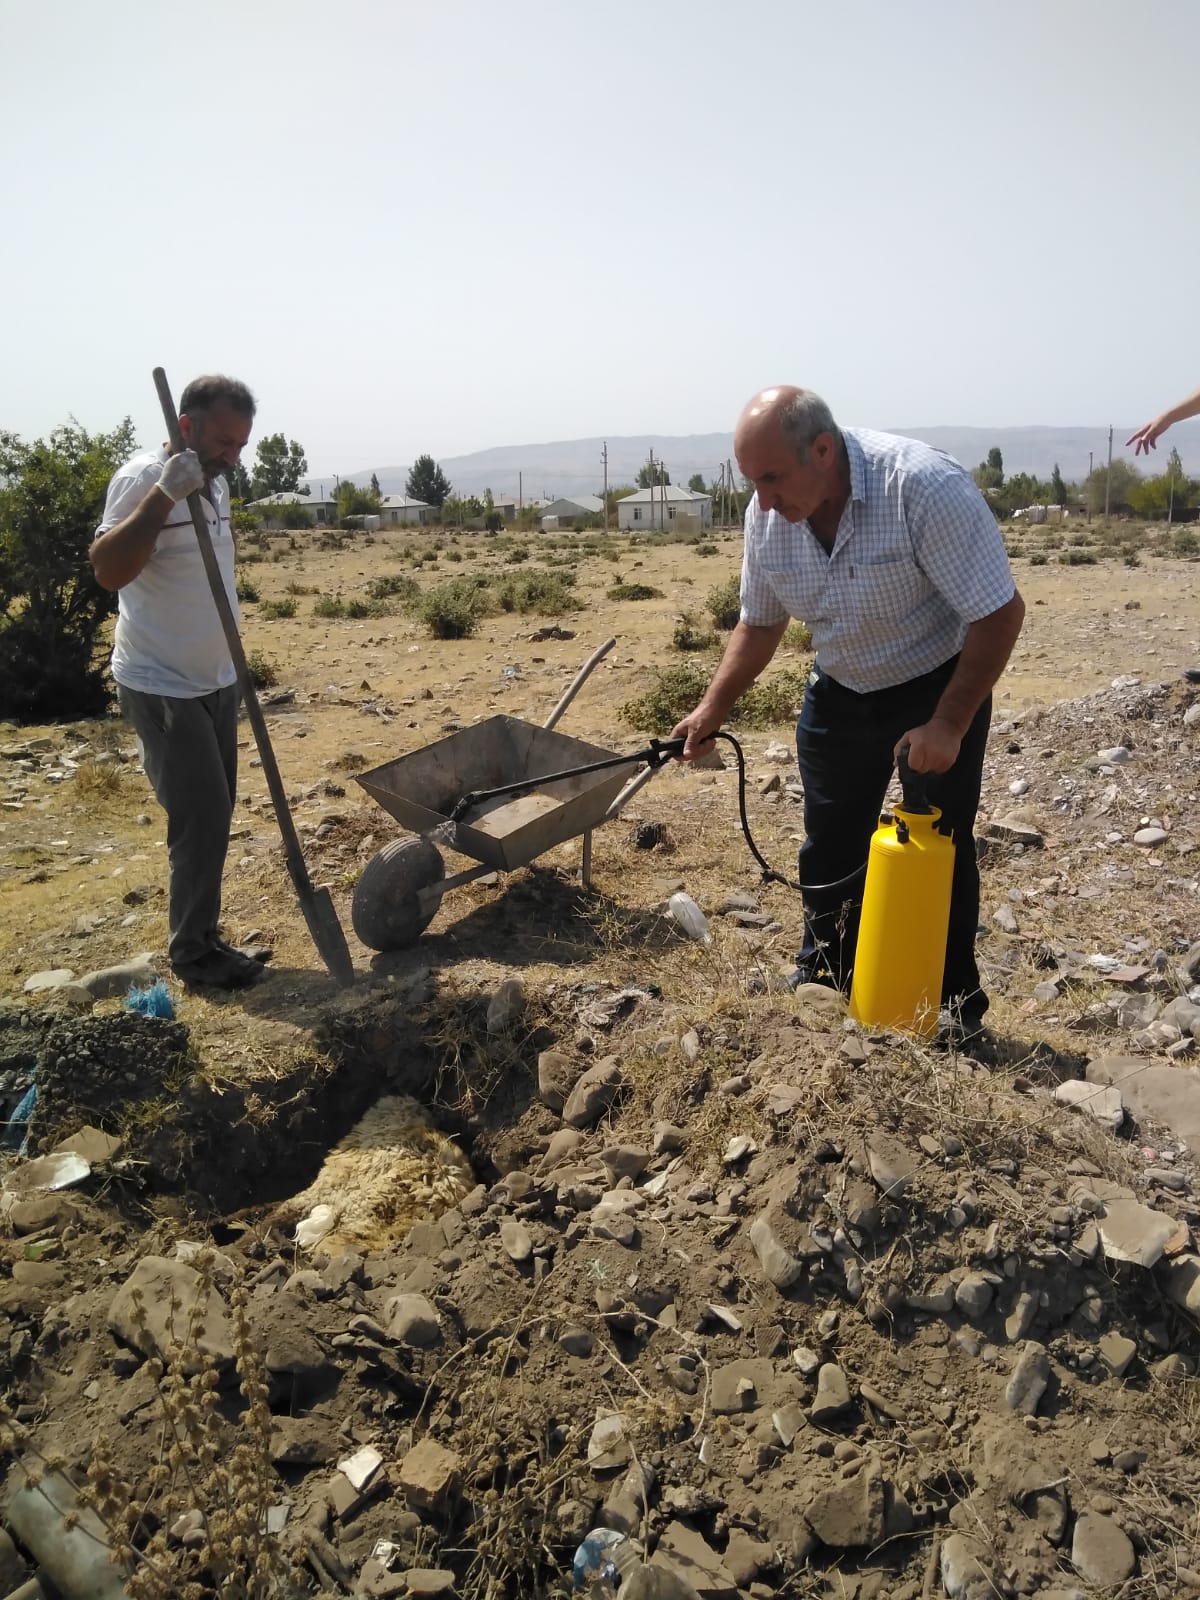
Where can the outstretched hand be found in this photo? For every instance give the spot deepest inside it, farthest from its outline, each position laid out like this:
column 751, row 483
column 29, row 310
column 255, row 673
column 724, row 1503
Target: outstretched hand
column 1147, row 436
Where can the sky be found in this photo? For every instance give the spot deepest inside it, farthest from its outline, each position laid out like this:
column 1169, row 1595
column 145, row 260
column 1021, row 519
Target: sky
column 446, row 226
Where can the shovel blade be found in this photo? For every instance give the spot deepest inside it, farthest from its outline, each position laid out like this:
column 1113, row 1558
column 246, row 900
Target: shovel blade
column 327, row 935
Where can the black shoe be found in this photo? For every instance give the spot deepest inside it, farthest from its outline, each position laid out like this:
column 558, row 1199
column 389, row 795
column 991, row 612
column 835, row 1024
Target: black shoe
column 1192, row 674
column 219, row 969
column 802, row 975
column 967, row 1036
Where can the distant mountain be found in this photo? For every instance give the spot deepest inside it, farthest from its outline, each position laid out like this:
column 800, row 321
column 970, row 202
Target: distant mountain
column 573, row 466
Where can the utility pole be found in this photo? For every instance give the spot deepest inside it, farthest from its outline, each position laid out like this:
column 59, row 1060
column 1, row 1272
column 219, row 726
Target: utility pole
column 1088, row 495
column 651, row 459
column 520, row 493
column 1108, row 474
column 604, row 458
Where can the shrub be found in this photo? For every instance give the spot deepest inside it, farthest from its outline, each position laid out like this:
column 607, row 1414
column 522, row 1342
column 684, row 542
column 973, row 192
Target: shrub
column 299, row 588
column 264, row 674
column 706, row 548
column 676, row 691
column 797, row 636
column 1039, row 558
column 394, row 585
column 276, row 610
column 246, row 588
column 518, row 553
column 691, row 634
column 634, row 591
column 1183, row 543
column 1077, row 558
column 724, row 604
column 454, row 610
column 546, row 594
column 329, row 605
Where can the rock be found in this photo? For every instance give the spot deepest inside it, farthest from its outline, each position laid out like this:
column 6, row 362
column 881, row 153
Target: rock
column 13, row 1571
column 657, row 1581
column 1100, row 1101
column 818, row 1005
column 1155, row 1093
column 161, row 1303
column 974, row 1295
column 1149, row 837
column 893, row 1165
column 685, row 1554
column 506, row 1007
column 608, row 1447
column 1018, row 1323
column 1130, row 1231
column 746, row 1557
column 53, row 978
column 429, row 1581
column 109, row 983
column 1012, row 830
column 557, row 1075
column 411, row 1320
column 850, row 1512
column 429, row 1474
column 594, row 1094
column 1116, row 1351
column 741, row 1386
column 832, row 1397
column 515, row 1238
column 93, row 1144
column 303, row 1441
column 1101, row 1552
column 1029, row 1378
column 781, row 1268
column 1183, row 1283
column 625, row 1161
column 966, row 1574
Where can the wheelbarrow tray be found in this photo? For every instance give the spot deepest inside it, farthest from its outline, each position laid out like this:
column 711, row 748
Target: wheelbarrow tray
column 422, row 788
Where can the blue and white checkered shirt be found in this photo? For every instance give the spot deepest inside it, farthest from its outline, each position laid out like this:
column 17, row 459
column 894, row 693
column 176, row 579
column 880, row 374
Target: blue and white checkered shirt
column 917, row 558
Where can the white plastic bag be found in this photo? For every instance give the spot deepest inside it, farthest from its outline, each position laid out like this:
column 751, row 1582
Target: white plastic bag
column 689, row 917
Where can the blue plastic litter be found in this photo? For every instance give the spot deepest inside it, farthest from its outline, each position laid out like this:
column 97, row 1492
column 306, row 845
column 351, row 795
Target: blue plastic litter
column 152, row 1002
column 18, row 1122
column 595, row 1560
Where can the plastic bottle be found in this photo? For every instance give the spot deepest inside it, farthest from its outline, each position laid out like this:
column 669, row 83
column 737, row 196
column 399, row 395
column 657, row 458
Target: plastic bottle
column 689, row 917
column 602, row 1561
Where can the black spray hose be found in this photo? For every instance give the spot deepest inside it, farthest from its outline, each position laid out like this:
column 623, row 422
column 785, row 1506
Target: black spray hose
column 769, row 874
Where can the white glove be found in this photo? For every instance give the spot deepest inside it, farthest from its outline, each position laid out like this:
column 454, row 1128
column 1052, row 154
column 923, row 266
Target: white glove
column 181, row 475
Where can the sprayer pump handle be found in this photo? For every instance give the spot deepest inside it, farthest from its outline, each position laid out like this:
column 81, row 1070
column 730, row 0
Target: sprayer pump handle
column 913, row 786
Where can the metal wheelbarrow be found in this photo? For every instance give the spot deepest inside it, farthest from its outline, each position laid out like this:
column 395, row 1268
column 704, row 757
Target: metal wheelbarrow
column 503, row 793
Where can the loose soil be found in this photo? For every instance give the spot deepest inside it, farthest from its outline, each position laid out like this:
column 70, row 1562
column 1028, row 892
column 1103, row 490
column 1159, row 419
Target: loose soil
column 657, row 1306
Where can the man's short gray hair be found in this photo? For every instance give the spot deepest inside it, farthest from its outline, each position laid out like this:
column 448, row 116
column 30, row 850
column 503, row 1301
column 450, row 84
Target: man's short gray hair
column 803, row 419
column 214, row 389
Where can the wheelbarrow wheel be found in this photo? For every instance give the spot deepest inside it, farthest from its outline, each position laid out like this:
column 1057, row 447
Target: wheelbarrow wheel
column 386, row 912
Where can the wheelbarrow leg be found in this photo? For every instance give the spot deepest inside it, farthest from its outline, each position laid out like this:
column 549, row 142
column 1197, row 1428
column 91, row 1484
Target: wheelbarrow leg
column 585, row 870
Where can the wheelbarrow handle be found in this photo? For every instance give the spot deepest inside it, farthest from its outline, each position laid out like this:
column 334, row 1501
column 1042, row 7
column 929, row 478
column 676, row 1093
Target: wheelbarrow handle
column 578, row 681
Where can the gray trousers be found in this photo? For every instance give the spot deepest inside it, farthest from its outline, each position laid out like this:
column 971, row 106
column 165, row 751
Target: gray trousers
column 189, row 751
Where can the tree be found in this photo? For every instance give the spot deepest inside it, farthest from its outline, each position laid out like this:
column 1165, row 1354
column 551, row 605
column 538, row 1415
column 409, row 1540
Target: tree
column 1058, row 489
column 1165, row 494
column 1021, row 490
column 51, row 607
column 1123, row 484
column 696, row 483
column 989, row 474
column 238, row 479
column 427, row 482
column 651, row 474
column 278, row 466
column 353, row 501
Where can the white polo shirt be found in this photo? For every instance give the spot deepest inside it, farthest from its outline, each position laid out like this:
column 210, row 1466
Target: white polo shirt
column 918, row 557
column 168, row 637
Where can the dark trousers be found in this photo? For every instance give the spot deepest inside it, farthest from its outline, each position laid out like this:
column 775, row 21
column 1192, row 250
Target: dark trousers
column 189, row 751
column 844, row 744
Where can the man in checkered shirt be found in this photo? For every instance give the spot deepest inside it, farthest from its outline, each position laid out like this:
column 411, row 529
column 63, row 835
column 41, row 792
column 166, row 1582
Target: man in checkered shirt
column 890, row 554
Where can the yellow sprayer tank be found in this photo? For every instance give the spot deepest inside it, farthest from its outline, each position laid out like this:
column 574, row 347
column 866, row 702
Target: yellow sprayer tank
column 901, row 951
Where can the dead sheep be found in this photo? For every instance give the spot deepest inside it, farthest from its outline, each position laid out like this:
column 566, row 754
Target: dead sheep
column 391, row 1171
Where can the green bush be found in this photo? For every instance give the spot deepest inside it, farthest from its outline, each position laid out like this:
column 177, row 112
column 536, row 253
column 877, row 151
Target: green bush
column 634, row 591
column 545, row 594
column 676, row 691
column 707, row 548
column 329, row 605
column 395, row 586
column 1039, row 558
column 264, row 674
column 797, row 636
column 1077, row 558
column 276, row 610
column 691, row 634
column 724, row 604
column 246, row 588
column 454, row 610
column 1183, row 543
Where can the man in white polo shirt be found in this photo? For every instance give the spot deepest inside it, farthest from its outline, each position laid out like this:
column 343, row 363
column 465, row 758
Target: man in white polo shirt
column 175, row 679
column 890, row 554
